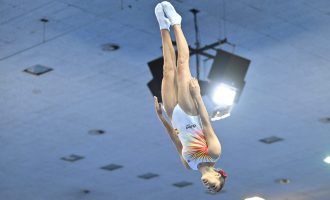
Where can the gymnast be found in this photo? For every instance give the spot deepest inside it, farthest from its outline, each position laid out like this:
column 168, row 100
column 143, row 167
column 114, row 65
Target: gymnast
column 190, row 129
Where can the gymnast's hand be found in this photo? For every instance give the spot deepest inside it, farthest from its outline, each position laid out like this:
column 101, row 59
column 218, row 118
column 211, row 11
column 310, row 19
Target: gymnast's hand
column 194, row 88
column 158, row 108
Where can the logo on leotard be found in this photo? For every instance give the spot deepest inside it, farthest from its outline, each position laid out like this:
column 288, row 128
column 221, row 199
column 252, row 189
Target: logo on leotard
column 190, row 126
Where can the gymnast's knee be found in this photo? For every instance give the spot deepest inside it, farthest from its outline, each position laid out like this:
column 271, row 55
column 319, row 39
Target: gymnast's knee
column 183, row 60
column 183, row 71
column 168, row 71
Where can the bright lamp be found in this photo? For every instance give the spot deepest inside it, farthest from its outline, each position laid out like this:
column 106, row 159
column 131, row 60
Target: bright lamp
column 224, row 95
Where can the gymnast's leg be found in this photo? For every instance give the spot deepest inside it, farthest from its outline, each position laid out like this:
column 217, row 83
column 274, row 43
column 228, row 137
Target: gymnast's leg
column 169, row 88
column 183, row 72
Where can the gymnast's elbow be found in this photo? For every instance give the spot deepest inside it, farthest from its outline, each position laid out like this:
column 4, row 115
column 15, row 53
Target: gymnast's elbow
column 215, row 151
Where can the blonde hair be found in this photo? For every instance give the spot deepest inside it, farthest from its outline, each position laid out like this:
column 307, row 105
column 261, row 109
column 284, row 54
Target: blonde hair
column 222, row 177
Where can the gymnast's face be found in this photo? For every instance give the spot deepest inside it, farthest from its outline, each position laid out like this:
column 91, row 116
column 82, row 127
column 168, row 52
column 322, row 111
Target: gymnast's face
column 211, row 181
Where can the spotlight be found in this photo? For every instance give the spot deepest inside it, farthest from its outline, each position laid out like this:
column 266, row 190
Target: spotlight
column 224, row 95
column 327, row 160
column 229, row 69
column 226, row 78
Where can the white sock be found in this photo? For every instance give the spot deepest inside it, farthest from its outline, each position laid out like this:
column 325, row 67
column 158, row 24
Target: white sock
column 164, row 23
column 170, row 12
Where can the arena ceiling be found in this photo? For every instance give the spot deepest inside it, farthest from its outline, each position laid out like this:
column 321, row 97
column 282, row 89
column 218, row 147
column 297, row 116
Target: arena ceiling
column 45, row 119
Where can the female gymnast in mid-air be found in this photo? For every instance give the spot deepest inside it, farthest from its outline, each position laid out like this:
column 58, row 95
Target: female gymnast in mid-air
column 190, row 128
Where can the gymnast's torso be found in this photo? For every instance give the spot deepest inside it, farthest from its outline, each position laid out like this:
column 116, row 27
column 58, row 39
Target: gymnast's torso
column 190, row 132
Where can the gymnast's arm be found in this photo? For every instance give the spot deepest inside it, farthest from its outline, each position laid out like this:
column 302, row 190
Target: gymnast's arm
column 214, row 147
column 171, row 132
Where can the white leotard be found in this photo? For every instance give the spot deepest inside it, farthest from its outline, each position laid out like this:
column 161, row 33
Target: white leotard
column 190, row 132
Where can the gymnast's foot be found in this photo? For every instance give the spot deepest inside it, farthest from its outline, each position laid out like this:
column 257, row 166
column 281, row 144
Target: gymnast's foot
column 170, row 12
column 164, row 23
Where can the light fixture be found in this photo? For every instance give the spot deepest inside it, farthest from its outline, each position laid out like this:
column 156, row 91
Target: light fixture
column 96, row 132
column 226, row 82
column 254, row 198
column 111, row 167
column 325, row 120
column 37, row 69
column 110, row 47
column 44, row 20
column 271, row 139
column 282, row 181
column 72, row 158
column 224, row 95
column 148, row 176
column 85, row 191
column 327, row 160
column 182, row 184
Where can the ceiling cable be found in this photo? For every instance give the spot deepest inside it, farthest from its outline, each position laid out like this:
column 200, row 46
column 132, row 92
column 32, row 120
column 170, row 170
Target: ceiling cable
column 224, row 18
column 220, row 21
